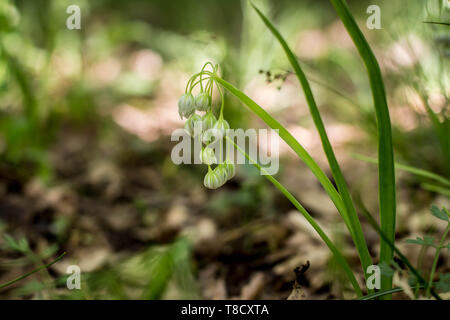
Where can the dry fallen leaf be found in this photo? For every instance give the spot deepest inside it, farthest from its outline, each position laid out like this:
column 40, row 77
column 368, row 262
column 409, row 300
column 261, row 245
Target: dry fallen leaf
column 297, row 290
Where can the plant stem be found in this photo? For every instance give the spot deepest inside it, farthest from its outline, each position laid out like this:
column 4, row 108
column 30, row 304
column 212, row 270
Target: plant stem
column 436, row 258
column 413, row 170
column 32, row 271
column 222, row 102
column 402, row 257
column 386, row 292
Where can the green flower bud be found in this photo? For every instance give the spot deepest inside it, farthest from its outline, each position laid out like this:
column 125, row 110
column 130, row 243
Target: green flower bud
column 207, row 156
column 208, row 121
column 221, row 125
column 213, row 180
column 222, row 171
column 194, row 121
column 211, row 136
column 231, row 169
column 208, row 136
column 203, row 101
column 186, row 105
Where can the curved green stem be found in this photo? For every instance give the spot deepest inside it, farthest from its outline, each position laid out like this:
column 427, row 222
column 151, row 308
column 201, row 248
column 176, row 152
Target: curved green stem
column 436, row 258
column 31, row 272
column 291, row 142
column 223, row 102
column 202, row 71
column 413, row 170
column 190, row 83
column 199, row 81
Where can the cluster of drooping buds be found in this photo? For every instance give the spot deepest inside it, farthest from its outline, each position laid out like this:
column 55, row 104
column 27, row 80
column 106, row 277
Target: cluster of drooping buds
column 207, row 128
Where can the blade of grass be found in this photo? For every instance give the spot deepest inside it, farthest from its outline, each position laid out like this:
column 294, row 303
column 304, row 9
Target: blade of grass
column 410, row 169
column 354, row 225
column 32, row 271
column 385, row 292
column 437, row 189
column 291, row 142
column 386, row 173
column 337, row 254
column 438, row 22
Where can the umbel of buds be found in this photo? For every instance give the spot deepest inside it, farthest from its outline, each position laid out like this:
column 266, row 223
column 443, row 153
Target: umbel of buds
column 207, row 128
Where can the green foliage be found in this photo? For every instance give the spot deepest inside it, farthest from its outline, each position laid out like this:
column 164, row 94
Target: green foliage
column 349, row 213
column 341, row 199
column 388, row 271
column 425, row 241
column 171, row 263
column 34, row 108
column 443, row 284
column 386, row 191
column 149, row 273
column 20, row 245
column 440, row 214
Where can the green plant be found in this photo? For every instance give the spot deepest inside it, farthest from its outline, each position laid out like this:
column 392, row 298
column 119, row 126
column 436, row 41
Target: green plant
column 26, row 275
column 340, row 196
column 386, row 191
column 22, row 247
column 429, row 241
column 215, row 179
column 417, row 277
column 348, row 213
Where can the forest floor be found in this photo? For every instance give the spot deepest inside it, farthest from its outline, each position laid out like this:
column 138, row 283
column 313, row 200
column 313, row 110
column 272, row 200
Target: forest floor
column 110, row 201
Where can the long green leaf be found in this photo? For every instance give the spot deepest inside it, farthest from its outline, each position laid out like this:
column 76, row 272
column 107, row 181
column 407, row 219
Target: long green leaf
column 410, row 169
column 337, row 254
column 385, row 292
column 386, row 172
column 435, row 188
column 291, row 142
column 350, row 214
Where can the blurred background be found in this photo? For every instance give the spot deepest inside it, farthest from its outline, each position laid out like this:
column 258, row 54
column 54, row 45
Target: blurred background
column 85, row 123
